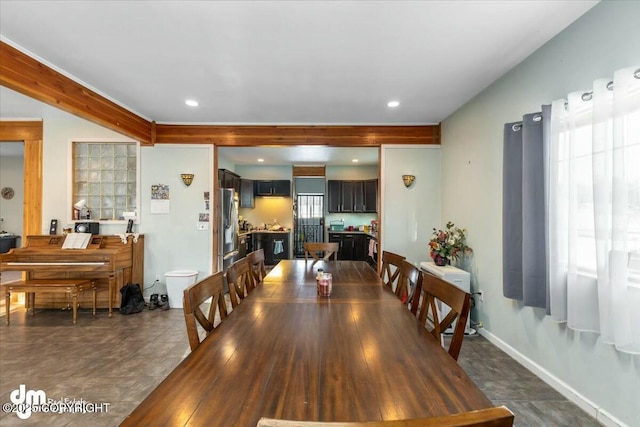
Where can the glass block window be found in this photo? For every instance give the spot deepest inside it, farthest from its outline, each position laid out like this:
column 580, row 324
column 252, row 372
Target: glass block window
column 105, row 175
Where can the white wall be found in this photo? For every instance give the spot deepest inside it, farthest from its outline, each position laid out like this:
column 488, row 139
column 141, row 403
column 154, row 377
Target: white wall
column 12, row 175
column 603, row 40
column 410, row 214
column 172, row 241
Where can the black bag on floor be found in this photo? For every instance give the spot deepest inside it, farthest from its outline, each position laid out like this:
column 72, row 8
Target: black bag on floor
column 131, row 300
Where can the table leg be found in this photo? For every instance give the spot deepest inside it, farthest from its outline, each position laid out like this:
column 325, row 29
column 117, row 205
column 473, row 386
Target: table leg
column 95, row 298
column 112, row 281
column 74, row 301
column 32, row 302
column 8, row 305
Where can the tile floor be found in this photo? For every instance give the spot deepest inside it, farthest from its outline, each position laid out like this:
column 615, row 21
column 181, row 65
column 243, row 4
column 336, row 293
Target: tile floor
column 47, row 352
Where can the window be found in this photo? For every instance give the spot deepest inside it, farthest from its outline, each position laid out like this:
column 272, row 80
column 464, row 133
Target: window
column 594, row 207
column 310, row 206
column 581, row 153
column 105, row 176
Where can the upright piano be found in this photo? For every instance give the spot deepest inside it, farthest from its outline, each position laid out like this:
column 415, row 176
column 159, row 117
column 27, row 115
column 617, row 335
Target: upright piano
column 110, row 260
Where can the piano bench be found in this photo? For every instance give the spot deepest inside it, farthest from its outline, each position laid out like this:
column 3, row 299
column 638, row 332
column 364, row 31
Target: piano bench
column 34, row 286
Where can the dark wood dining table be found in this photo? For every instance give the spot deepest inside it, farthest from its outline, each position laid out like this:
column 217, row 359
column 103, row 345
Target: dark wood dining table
column 285, row 352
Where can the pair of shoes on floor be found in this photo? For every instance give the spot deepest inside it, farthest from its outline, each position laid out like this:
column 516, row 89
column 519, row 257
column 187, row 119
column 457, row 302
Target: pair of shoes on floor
column 159, row 301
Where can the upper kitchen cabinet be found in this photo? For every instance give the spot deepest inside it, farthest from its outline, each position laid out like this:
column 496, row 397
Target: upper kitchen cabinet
column 370, row 191
column 352, row 196
column 228, row 179
column 246, row 193
column 272, row 188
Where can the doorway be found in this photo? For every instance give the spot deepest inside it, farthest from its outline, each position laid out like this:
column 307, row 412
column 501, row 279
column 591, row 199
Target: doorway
column 308, row 213
column 12, row 198
column 308, row 220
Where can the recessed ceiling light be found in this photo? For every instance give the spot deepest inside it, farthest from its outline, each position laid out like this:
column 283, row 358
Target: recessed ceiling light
column 354, row 160
column 191, row 102
column 393, row 104
column 260, row 160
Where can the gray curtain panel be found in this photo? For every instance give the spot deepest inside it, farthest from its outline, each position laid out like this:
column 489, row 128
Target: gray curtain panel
column 524, row 212
column 512, row 211
column 546, row 143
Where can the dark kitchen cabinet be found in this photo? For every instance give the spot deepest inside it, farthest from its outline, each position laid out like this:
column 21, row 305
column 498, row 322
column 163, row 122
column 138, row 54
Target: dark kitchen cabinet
column 334, row 197
column 370, row 192
column 228, row 179
column 352, row 246
column 352, row 196
column 340, row 196
column 280, row 188
column 275, row 245
column 360, row 248
column 246, row 193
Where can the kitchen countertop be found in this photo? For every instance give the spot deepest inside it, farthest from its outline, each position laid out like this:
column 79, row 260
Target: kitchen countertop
column 374, row 235
column 242, row 233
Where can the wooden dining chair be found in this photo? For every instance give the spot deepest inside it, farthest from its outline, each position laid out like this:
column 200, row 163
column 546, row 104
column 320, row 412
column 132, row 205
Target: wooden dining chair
column 328, row 250
column 499, row 416
column 391, row 269
column 193, row 300
column 258, row 270
column 239, row 280
column 432, row 295
column 409, row 282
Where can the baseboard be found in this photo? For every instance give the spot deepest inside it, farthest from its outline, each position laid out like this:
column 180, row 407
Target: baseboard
column 557, row 384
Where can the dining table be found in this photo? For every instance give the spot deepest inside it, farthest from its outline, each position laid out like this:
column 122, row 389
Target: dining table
column 286, row 352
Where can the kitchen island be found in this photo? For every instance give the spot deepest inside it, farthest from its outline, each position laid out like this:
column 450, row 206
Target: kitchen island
column 276, row 244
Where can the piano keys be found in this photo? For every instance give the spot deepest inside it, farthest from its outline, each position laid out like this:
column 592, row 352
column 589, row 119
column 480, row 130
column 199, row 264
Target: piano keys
column 107, row 259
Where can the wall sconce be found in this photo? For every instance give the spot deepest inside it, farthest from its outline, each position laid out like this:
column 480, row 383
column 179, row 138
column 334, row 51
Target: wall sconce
column 408, row 180
column 187, row 178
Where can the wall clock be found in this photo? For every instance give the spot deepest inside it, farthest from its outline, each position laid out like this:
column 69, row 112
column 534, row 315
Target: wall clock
column 7, row 193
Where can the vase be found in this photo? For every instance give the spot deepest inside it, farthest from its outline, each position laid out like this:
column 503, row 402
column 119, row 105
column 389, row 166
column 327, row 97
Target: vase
column 441, row 260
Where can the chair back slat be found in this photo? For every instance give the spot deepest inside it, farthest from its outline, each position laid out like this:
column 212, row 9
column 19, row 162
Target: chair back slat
column 409, row 281
column 314, row 249
column 390, row 269
column 433, row 293
column 258, row 270
column 194, row 297
column 499, row 416
column 239, row 280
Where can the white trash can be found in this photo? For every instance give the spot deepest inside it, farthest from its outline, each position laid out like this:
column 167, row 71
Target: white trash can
column 177, row 282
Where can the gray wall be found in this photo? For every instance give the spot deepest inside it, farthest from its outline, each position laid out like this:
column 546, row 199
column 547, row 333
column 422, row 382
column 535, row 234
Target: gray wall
column 604, row 381
column 409, row 214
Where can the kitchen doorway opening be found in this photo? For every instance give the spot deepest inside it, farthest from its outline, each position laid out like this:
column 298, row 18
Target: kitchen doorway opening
column 308, row 221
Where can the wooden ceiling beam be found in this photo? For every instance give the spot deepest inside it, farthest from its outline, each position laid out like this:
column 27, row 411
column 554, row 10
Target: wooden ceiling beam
column 29, row 77
column 337, row 136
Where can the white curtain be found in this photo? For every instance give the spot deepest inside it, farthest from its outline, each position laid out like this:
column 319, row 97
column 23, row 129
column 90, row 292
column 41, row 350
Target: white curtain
column 594, row 210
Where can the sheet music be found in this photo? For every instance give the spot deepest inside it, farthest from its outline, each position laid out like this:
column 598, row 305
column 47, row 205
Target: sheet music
column 77, row 241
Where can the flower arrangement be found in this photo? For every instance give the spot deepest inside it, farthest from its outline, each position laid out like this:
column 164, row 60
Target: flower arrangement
column 449, row 244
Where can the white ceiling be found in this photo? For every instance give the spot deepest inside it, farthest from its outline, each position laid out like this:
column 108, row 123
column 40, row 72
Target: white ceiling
column 285, row 62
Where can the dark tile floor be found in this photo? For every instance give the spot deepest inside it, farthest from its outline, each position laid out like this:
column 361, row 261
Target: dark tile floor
column 47, row 352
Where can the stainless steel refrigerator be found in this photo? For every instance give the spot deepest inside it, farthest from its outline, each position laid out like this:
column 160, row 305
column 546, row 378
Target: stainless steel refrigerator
column 227, row 228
